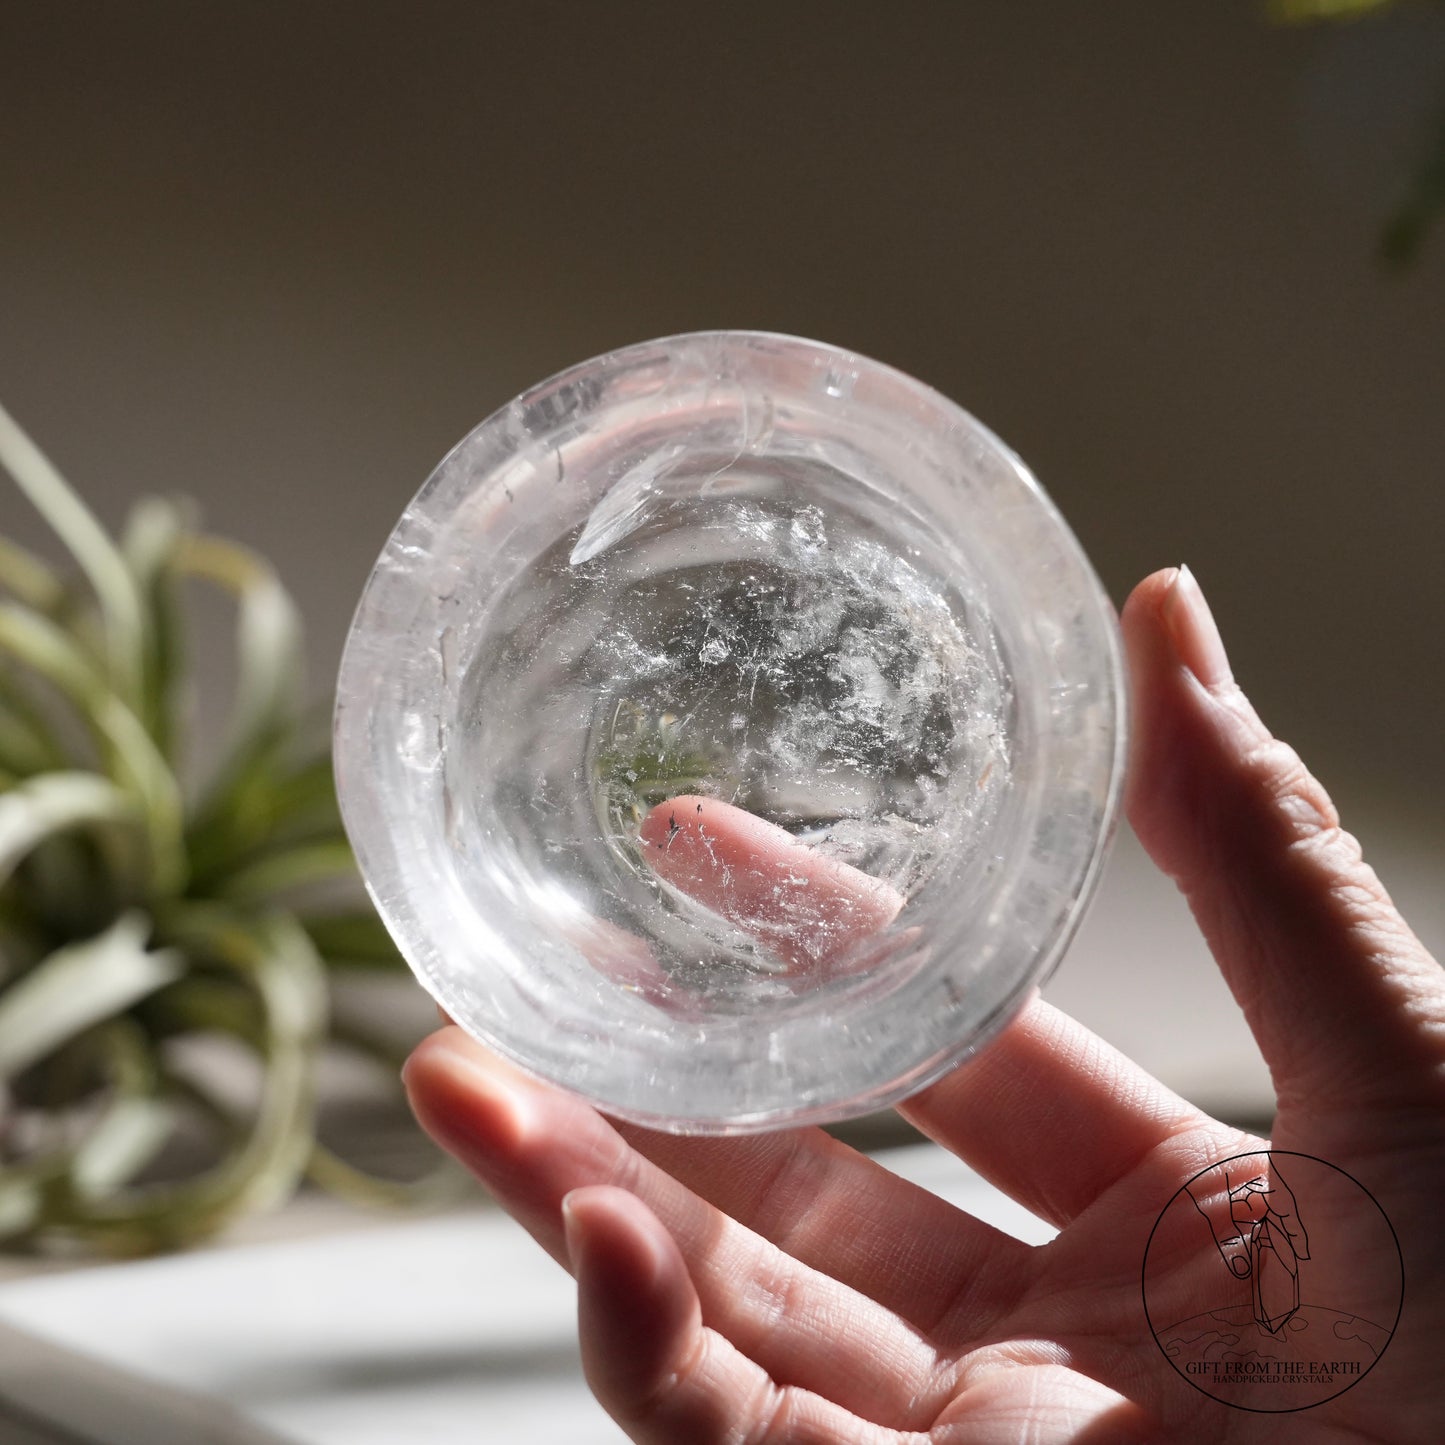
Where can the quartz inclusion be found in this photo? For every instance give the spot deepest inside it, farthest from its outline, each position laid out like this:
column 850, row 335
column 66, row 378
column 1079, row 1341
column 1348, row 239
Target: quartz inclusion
column 819, row 679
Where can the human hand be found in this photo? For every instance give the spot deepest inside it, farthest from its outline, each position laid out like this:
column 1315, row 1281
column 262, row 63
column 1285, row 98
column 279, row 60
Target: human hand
column 783, row 1288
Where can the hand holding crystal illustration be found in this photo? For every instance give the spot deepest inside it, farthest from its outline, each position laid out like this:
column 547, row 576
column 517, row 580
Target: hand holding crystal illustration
column 1257, row 1230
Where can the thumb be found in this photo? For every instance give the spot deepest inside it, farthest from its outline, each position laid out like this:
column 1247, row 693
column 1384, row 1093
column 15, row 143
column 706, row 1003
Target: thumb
column 1342, row 998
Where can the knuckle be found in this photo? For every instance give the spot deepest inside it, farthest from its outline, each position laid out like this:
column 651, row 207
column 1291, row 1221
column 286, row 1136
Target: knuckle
column 690, row 1375
column 772, row 1302
column 1293, row 793
column 1312, row 834
column 770, row 1415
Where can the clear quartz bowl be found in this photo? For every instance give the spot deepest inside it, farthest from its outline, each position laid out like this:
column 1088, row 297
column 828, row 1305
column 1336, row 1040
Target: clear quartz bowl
column 731, row 732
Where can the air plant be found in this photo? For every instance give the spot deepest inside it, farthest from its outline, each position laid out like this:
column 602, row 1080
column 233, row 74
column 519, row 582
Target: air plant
column 138, row 915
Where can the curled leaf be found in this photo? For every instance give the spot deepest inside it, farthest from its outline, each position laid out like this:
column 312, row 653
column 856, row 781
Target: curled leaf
column 268, row 648
column 131, row 755
column 154, row 535
column 57, row 803
column 98, row 557
column 28, row 578
column 79, row 986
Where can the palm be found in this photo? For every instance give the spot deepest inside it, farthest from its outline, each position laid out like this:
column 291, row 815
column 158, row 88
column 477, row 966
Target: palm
column 782, row 1288
column 847, row 1304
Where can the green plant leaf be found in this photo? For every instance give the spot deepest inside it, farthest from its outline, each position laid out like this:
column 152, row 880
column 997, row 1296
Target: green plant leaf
column 77, row 987
column 268, row 654
column 22, row 946
column 154, row 533
column 97, row 556
column 92, row 824
column 112, row 1144
column 275, row 958
column 305, row 866
column 22, row 1197
column 202, row 1003
column 268, row 809
column 347, row 940
column 131, row 755
column 34, row 582
column 56, row 803
column 337, row 1176
column 439, row 1185
column 134, row 1126
column 23, row 749
column 44, row 646
column 31, row 733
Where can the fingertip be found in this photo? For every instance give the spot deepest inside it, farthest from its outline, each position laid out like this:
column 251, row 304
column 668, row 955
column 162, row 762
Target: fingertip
column 1145, row 603
column 1193, row 631
column 636, row 1304
column 665, row 820
column 591, row 1207
column 1166, row 618
column 467, row 1100
column 805, row 905
column 1192, row 729
column 610, row 1230
column 422, row 1057
column 1146, row 634
column 1167, row 622
column 1160, row 740
column 577, row 1220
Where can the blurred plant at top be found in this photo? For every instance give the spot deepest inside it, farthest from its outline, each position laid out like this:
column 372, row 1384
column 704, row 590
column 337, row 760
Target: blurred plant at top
column 1424, row 197
column 135, row 919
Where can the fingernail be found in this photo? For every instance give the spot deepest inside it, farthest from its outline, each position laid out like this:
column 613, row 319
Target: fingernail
column 1193, row 632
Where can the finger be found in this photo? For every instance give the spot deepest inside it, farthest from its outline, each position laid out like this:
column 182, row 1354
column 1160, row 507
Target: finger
column 638, row 1314
column 1053, row 1115
column 1001, row 1113
column 809, row 908
column 1335, row 987
column 1285, row 1211
column 818, row 1200
column 647, row 1356
column 840, row 1212
column 532, row 1145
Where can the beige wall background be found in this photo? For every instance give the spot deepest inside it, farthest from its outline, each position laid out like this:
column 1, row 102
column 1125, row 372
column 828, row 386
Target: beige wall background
column 282, row 257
